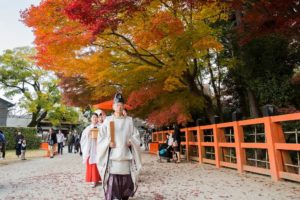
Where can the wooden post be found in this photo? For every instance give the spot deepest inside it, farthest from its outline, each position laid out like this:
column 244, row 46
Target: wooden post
column 94, row 133
column 240, row 153
column 216, row 145
column 284, row 156
column 199, row 140
column 222, row 139
column 112, row 131
column 187, row 144
column 271, row 139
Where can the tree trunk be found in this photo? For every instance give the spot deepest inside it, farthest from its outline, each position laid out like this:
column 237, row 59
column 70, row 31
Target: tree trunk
column 42, row 116
column 209, row 107
column 253, row 108
column 37, row 118
column 33, row 121
column 216, row 91
column 238, row 17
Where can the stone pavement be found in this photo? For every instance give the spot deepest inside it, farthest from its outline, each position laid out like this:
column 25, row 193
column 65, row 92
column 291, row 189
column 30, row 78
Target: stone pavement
column 63, row 178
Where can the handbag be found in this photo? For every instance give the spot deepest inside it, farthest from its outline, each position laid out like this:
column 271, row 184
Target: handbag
column 175, row 143
column 51, row 142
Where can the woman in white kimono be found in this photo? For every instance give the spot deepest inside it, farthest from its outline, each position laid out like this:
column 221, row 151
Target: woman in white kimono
column 89, row 148
column 118, row 151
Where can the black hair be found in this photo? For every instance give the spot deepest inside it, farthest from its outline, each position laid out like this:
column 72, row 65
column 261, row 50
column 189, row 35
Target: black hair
column 95, row 114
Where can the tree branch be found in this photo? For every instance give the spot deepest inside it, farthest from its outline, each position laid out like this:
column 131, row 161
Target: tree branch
column 137, row 54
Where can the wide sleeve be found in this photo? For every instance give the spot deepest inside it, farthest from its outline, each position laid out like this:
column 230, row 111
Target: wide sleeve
column 103, row 130
column 103, row 140
column 84, row 137
column 136, row 149
column 135, row 135
column 84, row 144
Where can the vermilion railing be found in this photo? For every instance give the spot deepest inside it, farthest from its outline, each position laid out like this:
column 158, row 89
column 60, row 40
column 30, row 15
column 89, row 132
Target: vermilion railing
column 225, row 145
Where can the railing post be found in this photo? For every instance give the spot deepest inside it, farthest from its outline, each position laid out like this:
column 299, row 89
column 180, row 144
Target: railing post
column 187, row 139
column 216, row 145
column 271, row 139
column 281, row 157
column 199, row 140
column 222, row 138
column 240, row 153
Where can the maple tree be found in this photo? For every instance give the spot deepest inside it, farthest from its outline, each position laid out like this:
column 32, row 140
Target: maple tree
column 167, row 56
column 132, row 46
column 264, row 17
column 256, row 22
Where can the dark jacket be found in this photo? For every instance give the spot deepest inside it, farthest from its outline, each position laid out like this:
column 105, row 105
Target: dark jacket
column 71, row 139
column 176, row 134
column 19, row 139
column 53, row 138
column 2, row 138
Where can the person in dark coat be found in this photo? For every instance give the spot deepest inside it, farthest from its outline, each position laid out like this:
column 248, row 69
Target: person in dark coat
column 19, row 140
column 2, row 145
column 71, row 141
column 23, row 149
column 177, row 141
column 77, row 143
column 52, row 141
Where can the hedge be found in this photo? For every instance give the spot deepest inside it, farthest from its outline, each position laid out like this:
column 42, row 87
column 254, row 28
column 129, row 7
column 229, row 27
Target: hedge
column 30, row 134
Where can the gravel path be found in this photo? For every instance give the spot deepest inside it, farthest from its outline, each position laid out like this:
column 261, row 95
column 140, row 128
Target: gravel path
column 63, row 178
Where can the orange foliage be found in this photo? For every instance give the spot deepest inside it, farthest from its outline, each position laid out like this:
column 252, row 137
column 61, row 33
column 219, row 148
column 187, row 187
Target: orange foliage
column 174, row 113
column 98, row 47
column 144, row 95
column 56, row 37
column 162, row 25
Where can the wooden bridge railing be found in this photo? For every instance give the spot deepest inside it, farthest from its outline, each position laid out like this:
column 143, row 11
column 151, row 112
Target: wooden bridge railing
column 262, row 145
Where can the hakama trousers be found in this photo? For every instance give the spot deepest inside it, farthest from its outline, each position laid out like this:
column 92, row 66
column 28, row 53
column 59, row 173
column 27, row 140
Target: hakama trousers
column 119, row 187
column 92, row 173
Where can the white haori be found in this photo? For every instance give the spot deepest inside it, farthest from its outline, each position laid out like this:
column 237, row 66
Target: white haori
column 119, row 167
column 89, row 145
column 113, row 160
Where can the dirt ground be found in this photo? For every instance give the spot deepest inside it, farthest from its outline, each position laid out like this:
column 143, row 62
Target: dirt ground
column 63, row 178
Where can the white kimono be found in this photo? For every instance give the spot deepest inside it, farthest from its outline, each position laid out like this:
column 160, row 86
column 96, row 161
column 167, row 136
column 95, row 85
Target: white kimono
column 88, row 145
column 124, row 132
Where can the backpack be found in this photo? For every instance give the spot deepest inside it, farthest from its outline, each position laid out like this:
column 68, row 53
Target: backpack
column 162, row 152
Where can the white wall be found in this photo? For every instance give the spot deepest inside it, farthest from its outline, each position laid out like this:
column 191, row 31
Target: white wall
column 17, row 122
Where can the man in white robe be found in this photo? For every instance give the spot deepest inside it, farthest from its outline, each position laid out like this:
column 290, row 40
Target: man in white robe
column 118, row 152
